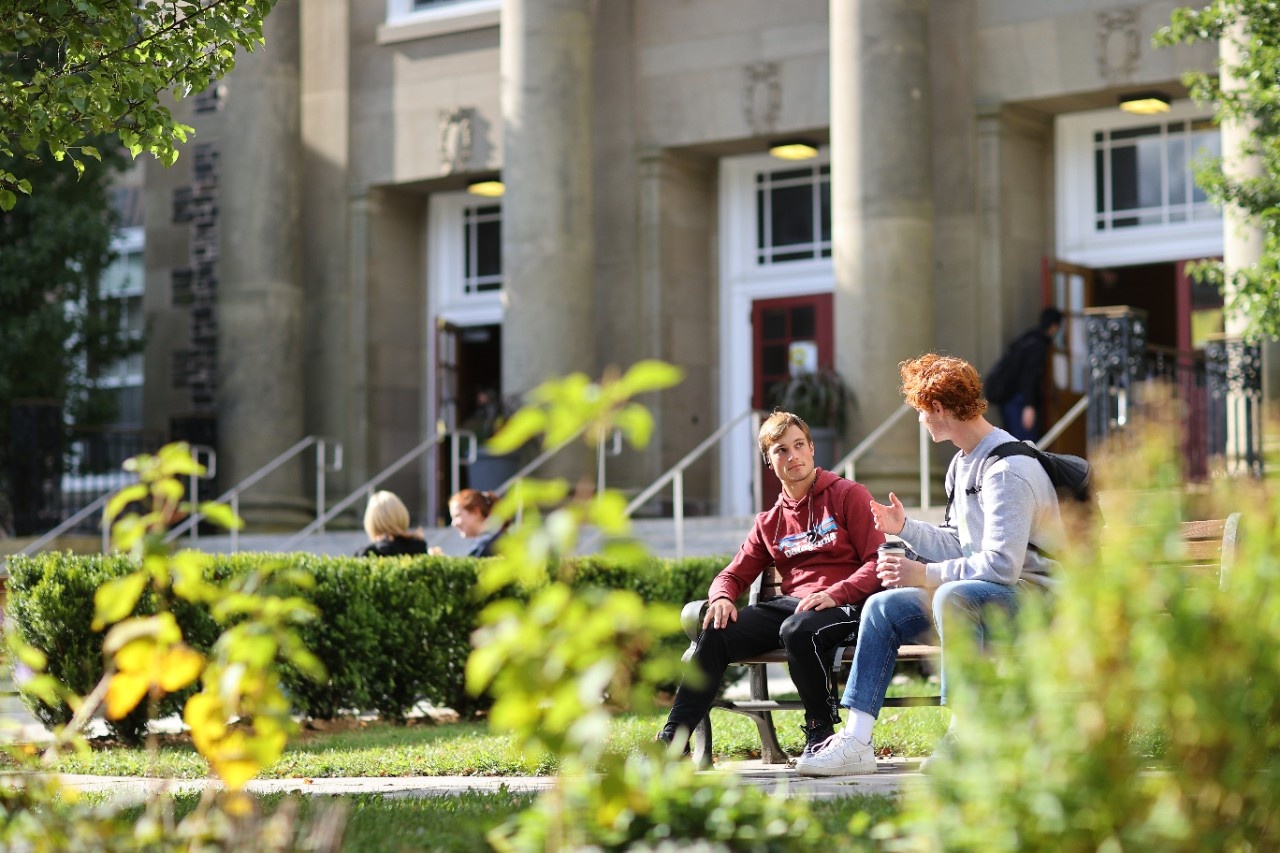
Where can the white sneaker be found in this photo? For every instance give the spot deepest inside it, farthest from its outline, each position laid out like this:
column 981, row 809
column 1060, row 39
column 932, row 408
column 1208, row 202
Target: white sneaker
column 842, row 755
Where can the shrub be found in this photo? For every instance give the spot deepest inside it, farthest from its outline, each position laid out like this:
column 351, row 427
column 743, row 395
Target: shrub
column 391, row 631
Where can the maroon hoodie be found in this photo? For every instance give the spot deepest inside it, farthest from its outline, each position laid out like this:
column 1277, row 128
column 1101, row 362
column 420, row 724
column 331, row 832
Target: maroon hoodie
column 824, row 542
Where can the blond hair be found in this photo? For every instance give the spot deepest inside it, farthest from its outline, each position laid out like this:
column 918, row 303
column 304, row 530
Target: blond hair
column 776, row 426
column 387, row 517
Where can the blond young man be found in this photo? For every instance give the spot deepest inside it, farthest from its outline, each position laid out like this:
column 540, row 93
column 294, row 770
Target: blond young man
column 822, row 537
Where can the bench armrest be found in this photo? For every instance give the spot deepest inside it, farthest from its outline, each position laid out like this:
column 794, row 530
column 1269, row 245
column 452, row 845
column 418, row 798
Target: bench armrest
column 691, row 618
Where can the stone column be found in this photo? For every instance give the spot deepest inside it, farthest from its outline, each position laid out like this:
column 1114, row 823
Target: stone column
column 547, row 238
column 1241, row 239
column 260, row 332
column 881, row 207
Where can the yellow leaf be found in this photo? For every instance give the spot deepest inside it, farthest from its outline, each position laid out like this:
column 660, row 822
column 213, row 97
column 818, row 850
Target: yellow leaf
column 181, row 666
column 238, row 805
column 123, row 498
column 124, row 693
column 116, row 599
column 140, row 655
column 235, row 772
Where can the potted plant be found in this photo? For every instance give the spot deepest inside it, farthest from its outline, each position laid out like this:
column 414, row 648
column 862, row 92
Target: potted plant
column 823, row 399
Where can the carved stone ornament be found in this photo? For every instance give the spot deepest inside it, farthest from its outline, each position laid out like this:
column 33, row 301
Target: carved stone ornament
column 1119, row 46
column 455, row 138
column 762, row 97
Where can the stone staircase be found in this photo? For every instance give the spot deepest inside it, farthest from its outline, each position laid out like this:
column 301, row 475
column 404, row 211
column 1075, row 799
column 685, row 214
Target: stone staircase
column 703, row 536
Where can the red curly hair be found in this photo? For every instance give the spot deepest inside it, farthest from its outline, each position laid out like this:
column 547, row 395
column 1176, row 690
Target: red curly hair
column 944, row 379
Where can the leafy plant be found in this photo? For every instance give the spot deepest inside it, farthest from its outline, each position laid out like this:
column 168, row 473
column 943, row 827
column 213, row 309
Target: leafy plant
column 110, row 65
column 239, row 719
column 1142, row 711
column 820, row 397
column 1242, row 89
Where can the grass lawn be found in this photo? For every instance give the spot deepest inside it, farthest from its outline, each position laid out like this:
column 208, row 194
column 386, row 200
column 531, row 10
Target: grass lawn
column 458, row 823
column 470, row 749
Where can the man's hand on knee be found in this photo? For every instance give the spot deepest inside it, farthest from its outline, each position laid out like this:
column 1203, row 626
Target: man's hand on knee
column 816, row 601
column 719, row 614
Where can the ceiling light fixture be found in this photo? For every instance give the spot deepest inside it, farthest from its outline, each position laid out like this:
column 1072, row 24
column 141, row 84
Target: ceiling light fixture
column 488, row 189
column 1145, row 103
column 794, row 149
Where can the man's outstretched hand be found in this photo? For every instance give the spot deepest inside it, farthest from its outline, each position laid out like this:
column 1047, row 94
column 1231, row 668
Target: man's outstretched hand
column 889, row 519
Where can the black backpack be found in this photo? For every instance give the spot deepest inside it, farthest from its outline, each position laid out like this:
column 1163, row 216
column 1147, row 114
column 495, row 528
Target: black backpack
column 1001, row 381
column 1070, row 475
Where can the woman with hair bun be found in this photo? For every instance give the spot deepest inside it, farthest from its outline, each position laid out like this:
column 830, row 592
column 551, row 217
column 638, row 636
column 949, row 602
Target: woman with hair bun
column 386, row 521
column 470, row 509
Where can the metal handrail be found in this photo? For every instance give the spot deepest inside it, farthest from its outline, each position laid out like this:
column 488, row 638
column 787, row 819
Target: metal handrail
column 675, row 476
column 848, row 465
column 232, row 495
column 101, row 501
column 71, row 522
column 1065, row 421
column 369, row 485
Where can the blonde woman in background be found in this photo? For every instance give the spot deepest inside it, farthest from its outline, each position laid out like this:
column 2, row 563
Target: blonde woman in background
column 386, row 521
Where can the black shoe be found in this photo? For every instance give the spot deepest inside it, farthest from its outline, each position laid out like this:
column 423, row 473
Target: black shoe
column 669, row 734
column 815, row 735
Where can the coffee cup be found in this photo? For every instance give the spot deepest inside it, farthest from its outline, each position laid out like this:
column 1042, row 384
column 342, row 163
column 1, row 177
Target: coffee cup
column 891, row 549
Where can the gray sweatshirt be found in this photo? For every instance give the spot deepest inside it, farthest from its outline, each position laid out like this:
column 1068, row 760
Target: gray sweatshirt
column 988, row 531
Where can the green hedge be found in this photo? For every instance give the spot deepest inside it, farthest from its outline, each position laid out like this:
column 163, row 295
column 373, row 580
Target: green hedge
column 392, row 631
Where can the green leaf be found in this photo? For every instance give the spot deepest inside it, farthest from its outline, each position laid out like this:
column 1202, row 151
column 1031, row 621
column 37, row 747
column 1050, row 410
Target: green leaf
column 124, row 497
column 650, row 375
column 221, row 515
column 115, row 599
column 522, row 427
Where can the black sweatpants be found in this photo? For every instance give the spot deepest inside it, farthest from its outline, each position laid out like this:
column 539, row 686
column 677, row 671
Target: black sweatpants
column 809, row 638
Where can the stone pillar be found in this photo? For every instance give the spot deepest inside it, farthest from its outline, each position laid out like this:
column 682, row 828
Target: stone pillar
column 260, row 333
column 547, row 212
column 1241, row 239
column 881, row 207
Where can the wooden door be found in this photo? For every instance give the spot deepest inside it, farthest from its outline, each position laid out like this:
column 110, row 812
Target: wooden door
column 446, row 409
column 1069, row 288
column 775, row 325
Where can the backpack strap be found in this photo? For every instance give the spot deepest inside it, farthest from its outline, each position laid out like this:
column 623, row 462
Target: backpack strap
column 1000, row 451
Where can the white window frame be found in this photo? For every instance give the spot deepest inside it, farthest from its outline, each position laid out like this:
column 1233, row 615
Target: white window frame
column 404, row 22
column 446, row 264
column 742, row 282
column 1079, row 241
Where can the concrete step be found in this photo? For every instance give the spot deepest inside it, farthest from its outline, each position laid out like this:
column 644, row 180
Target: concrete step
column 703, row 536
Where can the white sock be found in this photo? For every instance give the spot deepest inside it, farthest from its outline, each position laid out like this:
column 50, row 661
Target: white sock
column 860, row 724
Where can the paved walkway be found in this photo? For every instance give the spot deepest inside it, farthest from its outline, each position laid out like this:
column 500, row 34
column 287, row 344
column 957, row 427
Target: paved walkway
column 893, row 776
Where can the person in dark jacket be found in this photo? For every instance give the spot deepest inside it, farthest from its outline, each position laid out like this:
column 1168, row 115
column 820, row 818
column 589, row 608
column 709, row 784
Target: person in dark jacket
column 1023, row 412
column 386, row 521
column 470, row 510
column 822, row 537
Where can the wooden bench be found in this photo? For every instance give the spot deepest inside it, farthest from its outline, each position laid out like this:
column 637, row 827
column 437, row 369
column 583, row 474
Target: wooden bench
column 1210, row 549
column 759, row 707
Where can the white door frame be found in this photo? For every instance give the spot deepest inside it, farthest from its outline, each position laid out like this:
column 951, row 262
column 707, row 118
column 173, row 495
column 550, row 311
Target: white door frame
column 742, row 282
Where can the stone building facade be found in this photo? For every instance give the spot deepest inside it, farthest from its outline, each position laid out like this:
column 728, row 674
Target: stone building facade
column 319, row 266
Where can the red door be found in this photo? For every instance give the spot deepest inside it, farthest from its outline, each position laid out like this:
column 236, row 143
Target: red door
column 776, row 324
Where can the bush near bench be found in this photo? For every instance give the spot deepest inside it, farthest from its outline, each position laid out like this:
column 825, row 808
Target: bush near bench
column 391, row 631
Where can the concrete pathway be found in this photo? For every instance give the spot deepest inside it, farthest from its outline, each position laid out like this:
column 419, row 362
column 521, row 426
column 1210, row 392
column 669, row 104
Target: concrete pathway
column 894, row 775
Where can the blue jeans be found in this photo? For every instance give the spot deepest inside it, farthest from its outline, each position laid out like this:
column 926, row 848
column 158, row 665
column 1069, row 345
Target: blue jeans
column 896, row 616
column 1011, row 412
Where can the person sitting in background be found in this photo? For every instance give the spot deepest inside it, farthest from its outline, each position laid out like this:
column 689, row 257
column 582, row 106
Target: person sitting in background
column 386, row 521
column 470, row 509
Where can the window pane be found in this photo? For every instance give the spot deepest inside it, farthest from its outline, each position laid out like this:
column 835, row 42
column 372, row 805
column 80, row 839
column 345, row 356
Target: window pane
column 1150, row 174
column 792, row 215
column 774, row 360
column 489, row 248
column 824, row 208
column 1177, row 169
column 773, row 326
column 762, row 199
column 1099, row 183
column 1135, row 132
column 802, row 323
column 1124, row 178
